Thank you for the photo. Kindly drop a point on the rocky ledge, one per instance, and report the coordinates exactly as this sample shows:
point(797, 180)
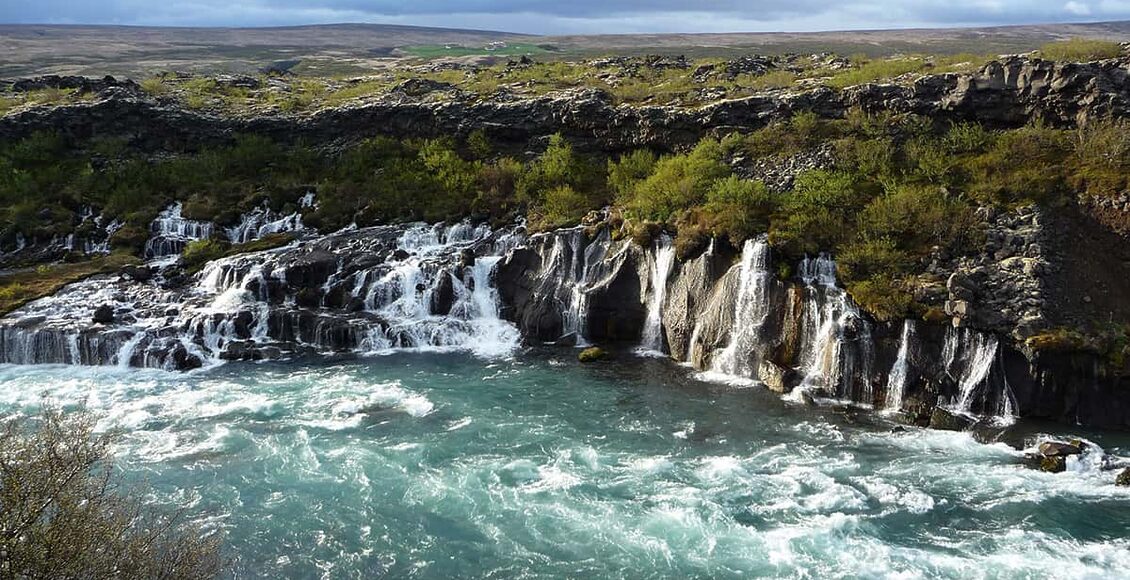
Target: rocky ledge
point(1005, 93)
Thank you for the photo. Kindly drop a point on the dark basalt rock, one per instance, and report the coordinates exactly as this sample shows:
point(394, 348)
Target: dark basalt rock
point(443, 295)
point(946, 420)
point(137, 273)
point(104, 314)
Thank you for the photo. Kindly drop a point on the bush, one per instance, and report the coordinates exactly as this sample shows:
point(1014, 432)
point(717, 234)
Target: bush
point(1021, 166)
point(67, 515)
point(678, 182)
point(1100, 162)
point(738, 208)
point(200, 252)
point(558, 165)
point(1080, 49)
point(882, 297)
point(819, 214)
point(627, 172)
point(916, 218)
point(563, 206)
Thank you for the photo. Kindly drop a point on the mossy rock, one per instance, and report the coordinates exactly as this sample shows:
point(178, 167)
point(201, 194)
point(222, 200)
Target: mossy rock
point(1123, 478)
point(593, 354)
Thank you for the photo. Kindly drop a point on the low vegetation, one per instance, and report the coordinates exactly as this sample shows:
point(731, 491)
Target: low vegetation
point(22, 286)
point(1080, 49)
point(68, 514)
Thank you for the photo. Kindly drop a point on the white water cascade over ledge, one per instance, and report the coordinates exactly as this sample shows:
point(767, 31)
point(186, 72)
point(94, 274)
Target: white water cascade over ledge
point(359, 290)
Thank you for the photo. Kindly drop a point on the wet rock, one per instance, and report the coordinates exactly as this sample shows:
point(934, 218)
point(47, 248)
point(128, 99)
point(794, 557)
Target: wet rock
point(467, 258)
point(775, 377)
point(137, 273)
point(104, 314)
point(945, 420)
point(1060, 448)
point(443, 295)
point(1055, 464)
point(1123, 478)
point(592, 354)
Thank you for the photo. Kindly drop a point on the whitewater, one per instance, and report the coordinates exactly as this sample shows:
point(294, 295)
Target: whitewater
point(448, 465)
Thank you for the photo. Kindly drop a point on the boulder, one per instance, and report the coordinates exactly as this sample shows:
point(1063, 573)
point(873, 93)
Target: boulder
point(1123, 478)
point(443, 295)
point(136, 273)
point(592, 354)
point(104, 314)
point(776, 377)
point(1054, 464)
point(1060, 448)
point(945, 420)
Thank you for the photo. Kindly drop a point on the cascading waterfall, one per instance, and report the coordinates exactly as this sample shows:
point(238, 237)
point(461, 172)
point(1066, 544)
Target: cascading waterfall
point(900, 371)
point(172, 232)
point(434, 289)
point(751, 307)
point(662, 258)
point(974, 360)
point(263, 221)
point(837, 340)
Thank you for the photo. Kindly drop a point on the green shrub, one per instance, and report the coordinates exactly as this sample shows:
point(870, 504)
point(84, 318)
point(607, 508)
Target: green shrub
point(916, 218)
point(882, 297)
point(738, 208)
point(628, 171)
point(819, 213)
point(1100, 162)
point(864, 259)
point(1022, 165)
point(877, 70)
point(678, 182)
point(563, 206)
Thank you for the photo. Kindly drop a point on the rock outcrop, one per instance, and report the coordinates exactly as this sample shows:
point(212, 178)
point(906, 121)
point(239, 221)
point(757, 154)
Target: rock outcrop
point(1004, 93)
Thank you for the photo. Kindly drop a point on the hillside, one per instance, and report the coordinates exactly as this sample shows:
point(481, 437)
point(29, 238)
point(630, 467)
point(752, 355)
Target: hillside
point(359, 48)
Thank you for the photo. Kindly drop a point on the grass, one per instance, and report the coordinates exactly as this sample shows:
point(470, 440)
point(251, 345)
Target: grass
point(1079, 49)
point(19, 288)
point(200, 252)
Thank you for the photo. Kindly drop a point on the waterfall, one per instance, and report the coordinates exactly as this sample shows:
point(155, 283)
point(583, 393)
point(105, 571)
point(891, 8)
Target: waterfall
point(974, 360)
point(172, 232)
point(425, 286)
point(663, 257)
point(836, 340)
point(751, 307)
point(897, 379)
point(263, 221)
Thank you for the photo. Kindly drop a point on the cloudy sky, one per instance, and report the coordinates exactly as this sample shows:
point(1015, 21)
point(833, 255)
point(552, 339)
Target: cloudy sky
point(571, 16)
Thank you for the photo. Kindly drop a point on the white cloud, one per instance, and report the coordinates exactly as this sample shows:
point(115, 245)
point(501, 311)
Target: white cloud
point(1077, 8)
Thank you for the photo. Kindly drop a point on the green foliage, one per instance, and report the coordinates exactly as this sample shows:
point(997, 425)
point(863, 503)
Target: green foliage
point(738, 208)
point(626, 173)
point(1100, 162)
point(1021, 165)
point(800, 133)
point(1080, 49)
point(917, 217)
point(199, 252)
point(677, 182)
point(820, 212)
point(881, 296)
point(564, 205)
point(875, 70)
point(479, 144)
point(559, 165)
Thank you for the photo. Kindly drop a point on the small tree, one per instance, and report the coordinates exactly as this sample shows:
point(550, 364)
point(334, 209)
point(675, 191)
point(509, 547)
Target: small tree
point(64, 514)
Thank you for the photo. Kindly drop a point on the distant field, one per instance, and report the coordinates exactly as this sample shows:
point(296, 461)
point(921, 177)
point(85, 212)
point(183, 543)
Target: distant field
point(357, 49)
point(430, 51)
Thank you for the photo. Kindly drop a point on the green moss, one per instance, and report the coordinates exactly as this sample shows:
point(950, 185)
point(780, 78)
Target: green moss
point(592, 354)
point(19, 288)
